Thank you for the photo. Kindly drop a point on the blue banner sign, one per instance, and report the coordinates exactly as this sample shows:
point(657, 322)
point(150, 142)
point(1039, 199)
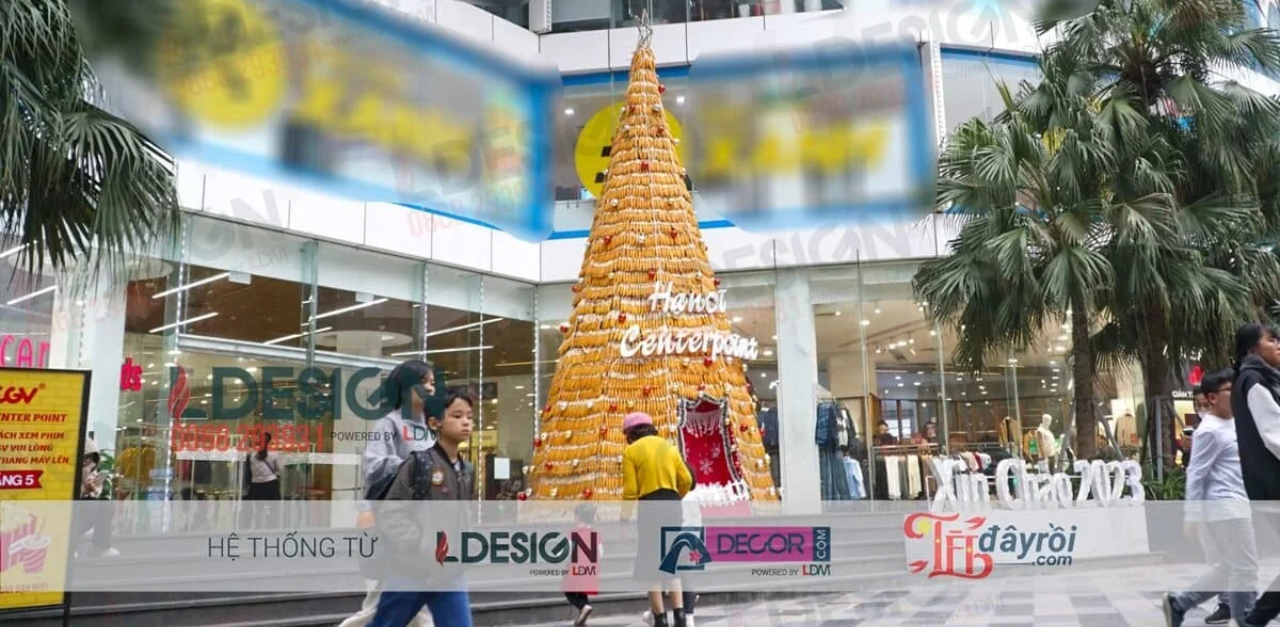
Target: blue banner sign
point(345, 99)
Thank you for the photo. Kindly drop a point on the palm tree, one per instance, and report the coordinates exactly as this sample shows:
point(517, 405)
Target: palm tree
point(78, 186)
point(1184, 278)
point(1033, 211)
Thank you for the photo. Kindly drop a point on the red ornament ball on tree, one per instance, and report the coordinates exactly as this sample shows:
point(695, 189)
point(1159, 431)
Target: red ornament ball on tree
point(674, 232)
point(547, 465)
point(622, 317)
point(707, 361)
point(607, 239)
point(613, 407)
point(653, 274)
point(717, 282)
point(644, 166)
point(537, 442)
point(586, 494)
point(564, 327)
point(662, 89)
point(646, 390)
point(522, 496)
point(743, 427)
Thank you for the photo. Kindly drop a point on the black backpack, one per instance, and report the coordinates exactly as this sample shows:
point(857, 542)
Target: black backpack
point(378, 490)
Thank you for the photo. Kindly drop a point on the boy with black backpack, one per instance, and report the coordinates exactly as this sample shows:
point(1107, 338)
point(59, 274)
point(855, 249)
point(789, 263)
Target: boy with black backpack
point(419, 576)
point(407, 394)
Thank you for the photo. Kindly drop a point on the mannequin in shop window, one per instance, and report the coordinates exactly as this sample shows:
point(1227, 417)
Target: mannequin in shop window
point(1048, 445)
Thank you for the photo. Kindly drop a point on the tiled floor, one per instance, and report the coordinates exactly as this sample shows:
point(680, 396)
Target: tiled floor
point(1093, 601)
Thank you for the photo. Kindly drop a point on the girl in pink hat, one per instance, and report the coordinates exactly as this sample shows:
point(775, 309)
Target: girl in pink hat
point(654, 472)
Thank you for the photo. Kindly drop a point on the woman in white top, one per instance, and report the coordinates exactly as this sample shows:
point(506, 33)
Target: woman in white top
point(264, 480)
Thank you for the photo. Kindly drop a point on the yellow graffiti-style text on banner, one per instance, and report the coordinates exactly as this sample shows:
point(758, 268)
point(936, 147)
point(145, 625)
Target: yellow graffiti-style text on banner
point(589, 156)
point(224, 63)
point(831, 149)
point(235, 78)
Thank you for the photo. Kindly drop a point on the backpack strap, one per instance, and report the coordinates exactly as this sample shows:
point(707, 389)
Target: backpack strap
point(423, 466)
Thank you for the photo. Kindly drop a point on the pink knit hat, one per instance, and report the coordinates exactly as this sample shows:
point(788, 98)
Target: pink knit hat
point(634, 420)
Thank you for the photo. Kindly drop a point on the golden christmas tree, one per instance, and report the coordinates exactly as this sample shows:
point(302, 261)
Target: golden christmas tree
point(649, 330)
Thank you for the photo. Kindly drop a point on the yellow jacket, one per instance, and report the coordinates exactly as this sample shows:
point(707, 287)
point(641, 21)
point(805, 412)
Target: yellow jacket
point(651, 464)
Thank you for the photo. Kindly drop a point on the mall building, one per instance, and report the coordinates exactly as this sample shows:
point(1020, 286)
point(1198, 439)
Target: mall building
point(259, 257)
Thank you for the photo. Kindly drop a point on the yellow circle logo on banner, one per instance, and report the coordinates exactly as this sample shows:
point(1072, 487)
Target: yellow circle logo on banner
point(591, 154)
point(225, 63)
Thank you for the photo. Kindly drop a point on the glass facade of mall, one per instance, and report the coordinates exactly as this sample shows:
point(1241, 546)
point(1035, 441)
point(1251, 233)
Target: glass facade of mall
point(242, 328)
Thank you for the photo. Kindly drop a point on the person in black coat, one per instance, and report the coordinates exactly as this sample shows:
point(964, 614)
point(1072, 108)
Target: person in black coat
point(1255, 400)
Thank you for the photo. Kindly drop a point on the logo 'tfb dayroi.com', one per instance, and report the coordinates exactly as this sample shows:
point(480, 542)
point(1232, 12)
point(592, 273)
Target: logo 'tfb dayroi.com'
point(684, 549)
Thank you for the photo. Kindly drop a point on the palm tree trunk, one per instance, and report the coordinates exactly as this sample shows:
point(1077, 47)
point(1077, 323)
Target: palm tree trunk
point(1157, 379)
point(1082, 373)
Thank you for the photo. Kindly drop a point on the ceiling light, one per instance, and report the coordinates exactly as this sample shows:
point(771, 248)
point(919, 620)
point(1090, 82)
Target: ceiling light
point(917, 383)
point(877, 311)
point(298, 335)
point(866, 323)
point(911, 341)
point(919, 372)
point(462, 327)
point(838, 312)
point(15, 250)
point(349, 309)
point(886, 391)
point(768, 353)
point(737, 318)
point(252, 369)
point(898, 377)
point(39, 292)
point(443, 350)
point(519, 387)
point(545, 327)
point(183, 288)
point(568, 111)
point(933, 332)
point(1012, 360)
point(679, 99)
point(183, 323)
point(900, 385)
point(775, 338)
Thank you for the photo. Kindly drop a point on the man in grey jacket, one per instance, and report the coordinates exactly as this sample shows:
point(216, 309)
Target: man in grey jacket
point(408, 393)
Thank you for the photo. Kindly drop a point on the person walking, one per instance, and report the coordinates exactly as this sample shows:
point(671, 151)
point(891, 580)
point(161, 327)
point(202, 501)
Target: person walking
point(579, 585)
point(405, 393)
point(264, 484)
point(436, 474)
point(655, 474)
point(1256, 402)
point(1218, 511)
point(97, 515)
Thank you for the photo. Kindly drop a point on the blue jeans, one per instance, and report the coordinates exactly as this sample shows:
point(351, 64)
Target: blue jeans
point(448, 608)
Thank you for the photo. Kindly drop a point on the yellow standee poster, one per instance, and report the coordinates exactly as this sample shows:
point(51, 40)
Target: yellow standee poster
point(42, 431)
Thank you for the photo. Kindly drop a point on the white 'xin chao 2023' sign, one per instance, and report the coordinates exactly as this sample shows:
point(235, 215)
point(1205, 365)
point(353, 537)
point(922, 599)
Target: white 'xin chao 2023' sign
point(693, 342)
point(1101, 484)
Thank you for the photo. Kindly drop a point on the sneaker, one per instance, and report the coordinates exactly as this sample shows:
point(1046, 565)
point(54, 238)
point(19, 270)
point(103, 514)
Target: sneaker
point(647, 617)
point(1173, 616)
point(688, 620)
point(1220, 616)
point(583, 615)
point(101, 553)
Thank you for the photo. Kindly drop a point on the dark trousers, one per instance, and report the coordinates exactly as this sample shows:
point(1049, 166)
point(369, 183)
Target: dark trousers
point(262, 506)
point(96, 516)
point(577, 599)
point(448, 608)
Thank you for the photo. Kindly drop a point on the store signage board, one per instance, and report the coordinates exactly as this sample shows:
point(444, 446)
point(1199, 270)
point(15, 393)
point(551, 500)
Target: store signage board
point(42, 431)
point(20, 352)
point(833, 133)
point(697, 342)
point(344, 98)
